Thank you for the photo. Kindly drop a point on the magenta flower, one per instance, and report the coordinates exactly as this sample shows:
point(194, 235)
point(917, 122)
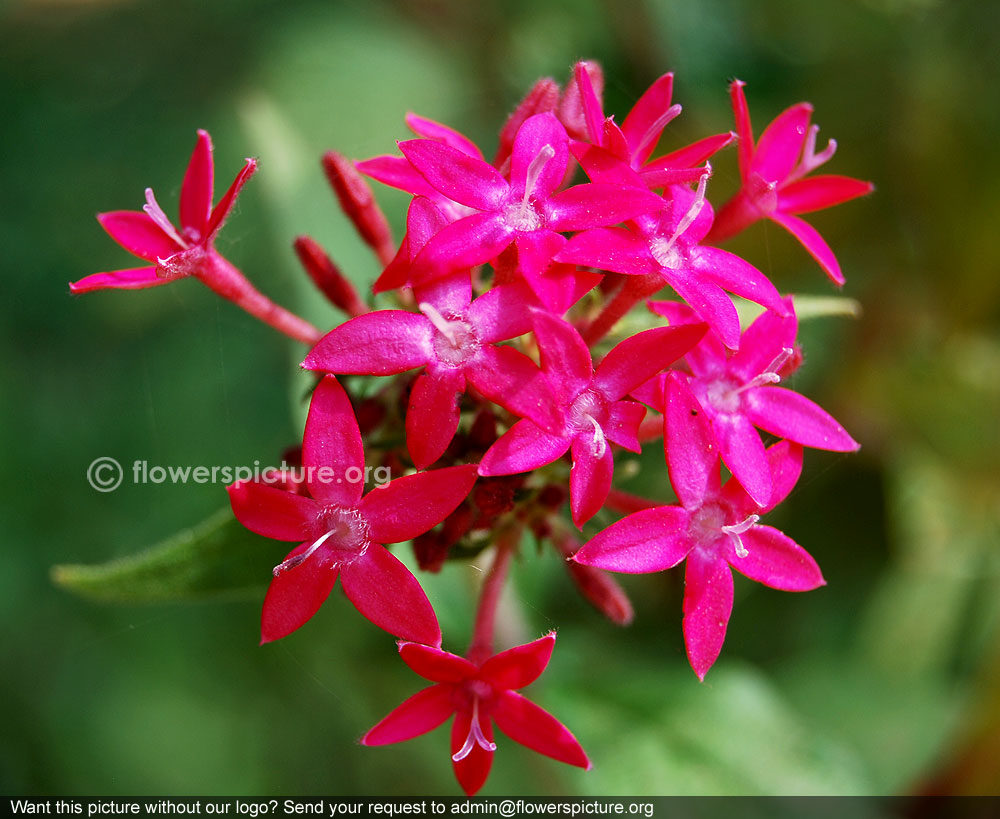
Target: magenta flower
point(774, 183)
point(667, 250)
point(526, 211)
point(738, 393)
point(478, 696)
point(581, 410)
point(715, 527)
point(151, 236)
point(453, 337)
point(343, 531)
point(633, 142)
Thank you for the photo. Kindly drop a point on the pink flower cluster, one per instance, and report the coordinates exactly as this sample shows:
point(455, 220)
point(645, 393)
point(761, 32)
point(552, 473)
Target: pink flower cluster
point(503, 387)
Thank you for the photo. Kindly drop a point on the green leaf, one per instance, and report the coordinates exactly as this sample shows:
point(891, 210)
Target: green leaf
point(217, 559)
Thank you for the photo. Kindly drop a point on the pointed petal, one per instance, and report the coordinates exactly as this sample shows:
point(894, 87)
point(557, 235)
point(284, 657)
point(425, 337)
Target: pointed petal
point(708, 357)
point(813, 242)
point(590, 477)
point(623, 424)
point(789, 415)
point(537, 132)
point(780, 146)
point(221, 212)
point(694, 154)
point(818, 192)
point(196, 190)
point(332, 445)
point(436, 665)
point(473, 770)
point(692, 453)
point(432, 417)
point(743, 452)
point(641, 127)
point(560, 286)
point(535, 252)
point(763, 341)
point(594, 205)
point(135, 231)
point(383, 342)
point(638, 358)
point(463, 244)
point(650, 540)
point(423, 712)
point(502, 312)
point(564, 355)
point(294, 596)
point(523, 448)
point(709, 301)
point(272, 512)
point(396, 172)
point(785, 463)
point(135, 278)
point(429, 129)
point(384, 591)
point(462, 178)
point(449, 294)
point(409, 506)
point(744, 131)
point(737, 276)
point(535, 728)
point(511, 379)
point(614, 249)
point(708, 602)
point(776, 560)
point(519, 666)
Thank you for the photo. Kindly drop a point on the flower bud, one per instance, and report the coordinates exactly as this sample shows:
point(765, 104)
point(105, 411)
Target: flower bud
point(328, 278)
point(358, 202)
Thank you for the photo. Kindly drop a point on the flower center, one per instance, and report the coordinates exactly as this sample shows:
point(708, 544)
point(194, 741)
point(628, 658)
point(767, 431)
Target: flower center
point(454, 342)
point(723, 394)
point(524, 215)
point(708, 523)
point(588, 414)
point(341, 536)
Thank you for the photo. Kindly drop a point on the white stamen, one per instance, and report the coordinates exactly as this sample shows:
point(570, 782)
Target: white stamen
point(534, 170)
point(292, 562)
point(445, 327)
point(735, 530)
point(475, 737)
point(663, 251)
point(600, 444)
point(654, 130)
point(770, 375)
point(810, 159)
point(155, 212)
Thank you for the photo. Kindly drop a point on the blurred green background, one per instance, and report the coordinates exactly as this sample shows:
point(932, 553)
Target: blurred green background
point(885, 681)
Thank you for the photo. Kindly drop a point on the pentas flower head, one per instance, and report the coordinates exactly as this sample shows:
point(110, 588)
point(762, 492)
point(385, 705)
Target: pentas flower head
point(581, 409)
point(715, 528)
point(479, 695)
point(343, 532)
point(738, 392)
point(633, 142)
point(525, 211)
point(150, 235)
point(775, 184)
point(666, 249)
point(453, 337)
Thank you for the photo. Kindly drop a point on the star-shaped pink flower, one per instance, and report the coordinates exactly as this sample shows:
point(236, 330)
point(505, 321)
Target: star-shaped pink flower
point(478, 695)
point(585, 409)
point(737, 393)
point(774, 183)
point(714, 528)
point(151, 236)
point(343, 532)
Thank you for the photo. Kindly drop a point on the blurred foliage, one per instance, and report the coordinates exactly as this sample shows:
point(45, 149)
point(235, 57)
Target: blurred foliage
point(886, 681)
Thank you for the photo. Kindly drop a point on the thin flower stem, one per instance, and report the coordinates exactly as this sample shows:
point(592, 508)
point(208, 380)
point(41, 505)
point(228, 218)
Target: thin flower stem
point(481, 646)
point(634, 290)
point(225, 279)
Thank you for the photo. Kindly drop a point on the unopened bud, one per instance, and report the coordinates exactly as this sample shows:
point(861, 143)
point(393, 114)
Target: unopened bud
point(571, 112)
point(328, 278)
point(598, 587)
point(358, 202)
point(543, 97)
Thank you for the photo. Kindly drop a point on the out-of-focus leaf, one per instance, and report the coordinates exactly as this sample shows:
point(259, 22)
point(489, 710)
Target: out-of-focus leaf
point(216, 559)
point(806, 307)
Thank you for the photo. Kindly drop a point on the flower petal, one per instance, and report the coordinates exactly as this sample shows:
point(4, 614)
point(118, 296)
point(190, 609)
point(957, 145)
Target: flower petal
point(462, 178)
point(780, 146)
point(641, 126)
point(535, 728)
point(639, 357)
point(432, 417)
point(565, 356)
point(383, 342)
point(422, 712)
point(708, 357)
point(461, 245)
point(818, 192)
point(135, 278)
point(511, 379)
point(692, 453)
point(272, 512)
point(295, 595)
point(650, 540)
point(691, 155)
point(776, 560)
point(221, 211)
point(519, 666)
point(196, 190)
point(623, 424)
point(429, 129)
point(533, 136)
point(709, 301)
point(744, 130)
point(708, 602)
point(743, 452)
point(785, 463)
point(763, 342)
point(135, 231)
point(789, 415)
point(590, 477)
point(409, 506)
point(396, 172)
point(502, 312)
point(386, 594)
point(813, 242)
point(594, 205)
point(435, 664)
point(522, 448)
point(331, 446)
point(614, 249)
point(471, 771)
point(737, 276)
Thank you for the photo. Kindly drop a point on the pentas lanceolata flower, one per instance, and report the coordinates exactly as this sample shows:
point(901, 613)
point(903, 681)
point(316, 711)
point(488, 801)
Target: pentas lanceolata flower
point(499, 384)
